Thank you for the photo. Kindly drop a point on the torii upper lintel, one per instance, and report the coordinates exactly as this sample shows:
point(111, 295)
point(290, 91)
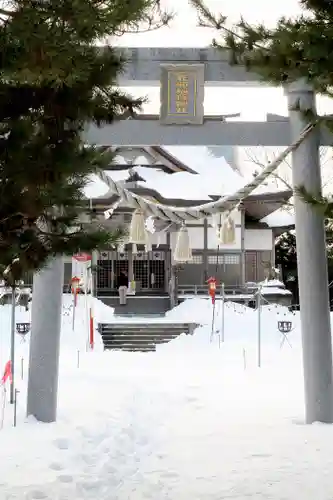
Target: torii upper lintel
point(144, 66)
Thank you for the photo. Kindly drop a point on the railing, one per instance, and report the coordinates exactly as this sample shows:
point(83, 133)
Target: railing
point(228, 290)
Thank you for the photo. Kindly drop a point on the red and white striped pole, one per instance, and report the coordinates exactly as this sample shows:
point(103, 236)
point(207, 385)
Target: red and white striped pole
point(75, 291)
point(91, 328)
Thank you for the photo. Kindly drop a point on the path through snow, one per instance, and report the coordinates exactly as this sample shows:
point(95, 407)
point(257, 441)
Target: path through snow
point(173, 435)
point(190, 421)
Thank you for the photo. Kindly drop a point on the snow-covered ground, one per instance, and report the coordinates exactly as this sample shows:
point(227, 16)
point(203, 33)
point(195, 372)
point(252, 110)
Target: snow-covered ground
point(192, 421)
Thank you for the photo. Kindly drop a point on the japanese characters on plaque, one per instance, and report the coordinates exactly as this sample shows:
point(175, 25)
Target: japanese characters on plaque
point(182, 94)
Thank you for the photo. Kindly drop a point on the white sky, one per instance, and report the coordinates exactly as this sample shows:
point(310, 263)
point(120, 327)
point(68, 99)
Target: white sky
point(183, 31)
point(253, 104)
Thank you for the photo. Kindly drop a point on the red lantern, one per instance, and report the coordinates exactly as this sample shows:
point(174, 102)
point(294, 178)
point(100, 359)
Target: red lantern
point(212, 288)
point(75, 287)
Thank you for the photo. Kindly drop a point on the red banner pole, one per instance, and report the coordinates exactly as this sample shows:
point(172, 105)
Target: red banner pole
point(91, 331)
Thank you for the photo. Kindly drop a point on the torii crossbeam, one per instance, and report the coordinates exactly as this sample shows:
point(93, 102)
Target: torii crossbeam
point(144, 65)
point(149, 131)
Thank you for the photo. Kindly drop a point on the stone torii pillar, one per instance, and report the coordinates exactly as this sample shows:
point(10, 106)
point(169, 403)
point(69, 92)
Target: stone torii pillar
point(311, 262)
point(46, 316)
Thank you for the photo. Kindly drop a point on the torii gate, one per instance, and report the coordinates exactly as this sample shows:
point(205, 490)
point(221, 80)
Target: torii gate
point(182, 75)
point(163, 67)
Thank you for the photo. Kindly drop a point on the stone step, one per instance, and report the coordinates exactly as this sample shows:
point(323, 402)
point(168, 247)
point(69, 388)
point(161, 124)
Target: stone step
point(131, 348)
point(135, 325)
point(130, 345)
point(140, 336)
point(142, 333)
point(130, 341)
point(137, 349)
point(153, 337)
point(148, 331)
point(148, 335)
point(156, 339)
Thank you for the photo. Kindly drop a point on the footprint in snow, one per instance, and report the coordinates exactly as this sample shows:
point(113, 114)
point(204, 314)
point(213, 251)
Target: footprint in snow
point(38, 495)
point(56, 466)
point(62, 443)
point(65, 478)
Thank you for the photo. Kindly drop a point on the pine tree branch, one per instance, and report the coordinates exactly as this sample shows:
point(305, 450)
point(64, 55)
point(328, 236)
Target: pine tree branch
point(152, 24)
point(6, 13)
point(209, 20)
point(53, 82)
point(296, 48)
point(149, 29)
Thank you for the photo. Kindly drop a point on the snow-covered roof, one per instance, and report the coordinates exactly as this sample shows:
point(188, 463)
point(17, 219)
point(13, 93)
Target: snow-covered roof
point(216, 179)
point(206, 164)
point(214, 176)
point(279, 218)
point(208, 175)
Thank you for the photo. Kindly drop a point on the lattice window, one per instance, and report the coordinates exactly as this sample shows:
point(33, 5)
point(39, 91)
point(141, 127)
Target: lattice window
point(148, 269)
point(105, 273)
point(196, 259)
point(228, 259)
point(212, 259)
point(231, 259)
point(149, 274)
point(215, 259)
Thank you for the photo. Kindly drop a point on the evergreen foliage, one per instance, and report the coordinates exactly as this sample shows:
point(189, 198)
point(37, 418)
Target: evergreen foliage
point(285, 249)
point(286, 260)
point(54, 80)
point(297, 48)
point(300, 47)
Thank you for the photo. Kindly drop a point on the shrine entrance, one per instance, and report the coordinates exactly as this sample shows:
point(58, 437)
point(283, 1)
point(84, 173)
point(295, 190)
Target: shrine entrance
point(149, 270)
